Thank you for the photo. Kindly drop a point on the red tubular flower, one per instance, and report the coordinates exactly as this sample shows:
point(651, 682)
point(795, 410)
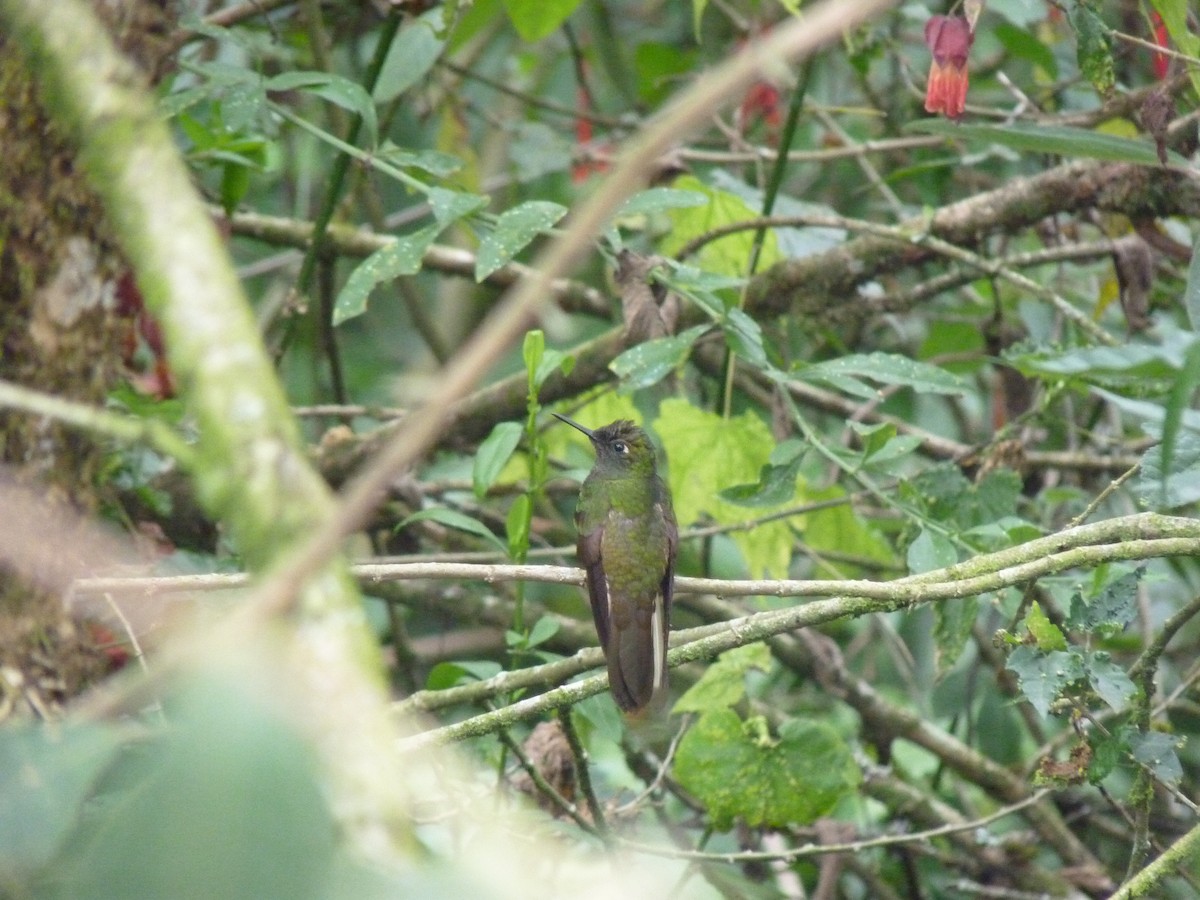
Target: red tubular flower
point(949, 39)
point(1161, 62)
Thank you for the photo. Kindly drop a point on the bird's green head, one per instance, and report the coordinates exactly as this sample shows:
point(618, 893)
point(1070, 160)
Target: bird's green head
point(621, 448)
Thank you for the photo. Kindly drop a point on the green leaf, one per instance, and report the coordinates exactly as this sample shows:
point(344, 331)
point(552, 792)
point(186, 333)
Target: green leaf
point(513, 232)
point(493, 454)
point(745, 337)
point(1163, 490)
point(452, 518)
point(552, 361)
point(1060, 140)
point(1178, 402)
point(1114, 607)
point(450, 206)
point(517, 526)
point(648, 363)
point(229, 801)
point(776, 480)
point(337, 89)
point(708, 452)
point(929, 551)
point(543, 629)
point(728, 255)
point(1175, 17)
point(884, 368)
point(1046, 634)
point(1109, 680)
point(412, 54)
point(46, 775)
point(1157, 751)
point(658, 199)
point(1191, 293)
point(451, 674)
point(723, 683)
point(953, 621)
point(434, 162)
point(1093, 47)
point(403, 256)
point(1023, 43)
point(1043, 676)
point(532, 348)
point(536, 19)
point(736, 772)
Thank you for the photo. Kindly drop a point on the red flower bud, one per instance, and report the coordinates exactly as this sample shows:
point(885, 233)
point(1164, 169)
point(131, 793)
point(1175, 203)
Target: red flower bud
point(949, 39)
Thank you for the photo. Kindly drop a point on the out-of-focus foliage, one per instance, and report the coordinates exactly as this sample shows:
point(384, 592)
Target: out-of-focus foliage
point(858, 387)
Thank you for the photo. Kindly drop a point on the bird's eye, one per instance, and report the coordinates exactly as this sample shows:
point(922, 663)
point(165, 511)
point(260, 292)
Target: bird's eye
point(621, 447)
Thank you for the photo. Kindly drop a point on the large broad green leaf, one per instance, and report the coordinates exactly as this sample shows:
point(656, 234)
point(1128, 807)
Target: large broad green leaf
point(1108, 680)
point(728, 255)
point(403, 256)
point(227, 802)
point(512, 233)
point(46, 774)
point(723, 683)
point(739, 771)
point(1056, 139)
point(1111, 609)
point(1043, 676)
point(536, 19)
point(708, 453)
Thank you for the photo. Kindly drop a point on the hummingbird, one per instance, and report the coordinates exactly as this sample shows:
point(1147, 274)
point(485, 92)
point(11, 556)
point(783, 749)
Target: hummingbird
point(626, 545)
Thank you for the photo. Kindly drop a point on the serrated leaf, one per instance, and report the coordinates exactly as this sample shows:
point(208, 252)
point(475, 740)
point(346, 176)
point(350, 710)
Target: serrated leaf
point(403, 256)
point(1157, 751)
point(1044, 676)
point(707, 453)
point(648, 363)
point(793, 780)
point(1112, 609)
point(1047, 635)
point(452, 518)
point(1058, 140)
point(450, 206)
point(337, 89)
point(1109, 680)
point(513, 232)
point(493, 454)
point(723, 683)
point(888, 369)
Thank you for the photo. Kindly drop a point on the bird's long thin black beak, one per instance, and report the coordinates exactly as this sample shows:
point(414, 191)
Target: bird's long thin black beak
point(591, 435)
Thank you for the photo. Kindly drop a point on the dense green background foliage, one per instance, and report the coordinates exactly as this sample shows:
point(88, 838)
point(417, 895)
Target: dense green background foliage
point(923, 395)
